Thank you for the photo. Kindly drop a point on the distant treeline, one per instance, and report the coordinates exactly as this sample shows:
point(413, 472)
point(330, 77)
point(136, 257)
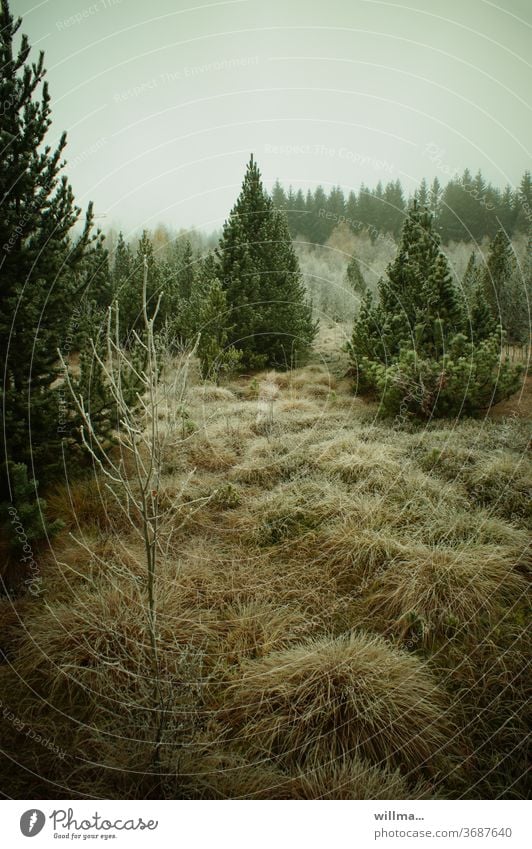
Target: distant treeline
point(466, 209)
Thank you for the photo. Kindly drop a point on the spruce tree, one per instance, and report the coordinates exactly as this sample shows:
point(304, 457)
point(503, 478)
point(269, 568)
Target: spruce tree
point(422, 194)
point(186, 270)
point(472, 276)
point(278, 196)
point(269, 314)
point(41, 265)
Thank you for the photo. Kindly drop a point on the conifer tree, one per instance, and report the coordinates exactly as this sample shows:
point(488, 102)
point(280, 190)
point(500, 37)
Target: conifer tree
point(129, 294)
point(410, 347)
point(523, 222)
point(422, 194)
point(417, 295)
point(278, 196)
point(122, 264)
point(482, 323)
point(355, 278)
point(472, 276)
point(500, 289)
point(270, 317)
point(216, 356)
point(41, 265)
point(186, 271)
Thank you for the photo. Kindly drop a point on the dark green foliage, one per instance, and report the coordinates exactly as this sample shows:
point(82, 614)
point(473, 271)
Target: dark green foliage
point(27, 509)
point(505, 289)
point(215, 355)
point(472, 277)
point(482, 324)
point(523, 204)
point(467, 379)
point(129, 293)
point(467, 208)
point(421, 307)
point(270, 318)
point(184, 281)
point(410, 347)
point(122, 267)
point(44, 272)
point(355, 278)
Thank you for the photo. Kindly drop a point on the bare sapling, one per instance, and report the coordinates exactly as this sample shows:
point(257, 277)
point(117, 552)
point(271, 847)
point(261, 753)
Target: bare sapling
point(145, 429)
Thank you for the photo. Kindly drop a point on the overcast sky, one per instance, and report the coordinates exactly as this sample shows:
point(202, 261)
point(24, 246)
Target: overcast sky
point(163, 101)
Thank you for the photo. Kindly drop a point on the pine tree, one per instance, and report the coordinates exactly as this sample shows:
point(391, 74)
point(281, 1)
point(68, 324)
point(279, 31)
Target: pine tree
point(130, 292)
point(472, 276)
point(259, 272)
point(95, 277)
point(435, 195)
point(417, 294)
point(122, 264)
point(483, 325)
point(499, 270)
point(216, 356)
point(422, 194)
point(186, 270)
point(354, 276)
point(41, 265)
point(278, 196)
point(479, 317)
point(410, 347)
point(351, 209)
point(523, 221)
point(393, 206)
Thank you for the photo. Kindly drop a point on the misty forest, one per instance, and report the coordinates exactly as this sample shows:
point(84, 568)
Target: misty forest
point(265, 492)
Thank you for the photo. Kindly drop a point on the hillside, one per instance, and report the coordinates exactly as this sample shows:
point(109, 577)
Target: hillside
point(341, 610)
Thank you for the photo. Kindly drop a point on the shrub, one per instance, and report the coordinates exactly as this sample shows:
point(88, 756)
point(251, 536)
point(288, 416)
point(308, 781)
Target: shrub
point(410, 349)
point(466, 380)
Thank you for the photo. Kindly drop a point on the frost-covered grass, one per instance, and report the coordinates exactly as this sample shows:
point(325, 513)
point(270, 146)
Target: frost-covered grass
point(341, 613)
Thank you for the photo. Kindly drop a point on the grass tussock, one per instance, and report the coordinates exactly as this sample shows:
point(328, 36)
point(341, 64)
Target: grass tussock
point(336, 698)
point(341, 612)
point(430, 595)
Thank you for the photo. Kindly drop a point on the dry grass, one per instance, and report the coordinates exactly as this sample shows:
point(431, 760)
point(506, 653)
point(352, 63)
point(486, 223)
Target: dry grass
point(355, 779)
point(428, 595)
point(335, 698)
point(341, 612)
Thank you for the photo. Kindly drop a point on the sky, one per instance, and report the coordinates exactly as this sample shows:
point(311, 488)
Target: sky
point(164, 101)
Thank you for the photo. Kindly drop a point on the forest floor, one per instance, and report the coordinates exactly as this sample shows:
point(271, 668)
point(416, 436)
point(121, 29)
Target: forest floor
point(341, 610)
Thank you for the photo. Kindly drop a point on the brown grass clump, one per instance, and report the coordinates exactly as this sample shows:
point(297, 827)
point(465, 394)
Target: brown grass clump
point(297, 506)
point(429, 594)
point(211, 455)
point(219, 776)
point(207, 393)
point(255, 629)
point(504, 485)
point(341, 612)
point(86, 503)
point(333, 699)
point(351, 778)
